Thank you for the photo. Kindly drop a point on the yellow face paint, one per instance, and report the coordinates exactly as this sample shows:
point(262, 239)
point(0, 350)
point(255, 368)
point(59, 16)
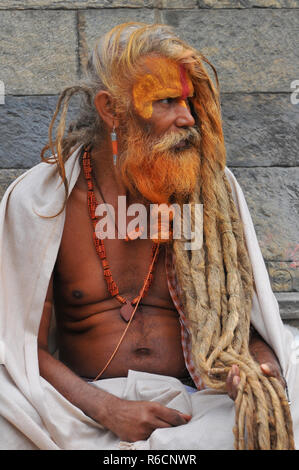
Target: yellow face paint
point(183, 103)
point(165, 79)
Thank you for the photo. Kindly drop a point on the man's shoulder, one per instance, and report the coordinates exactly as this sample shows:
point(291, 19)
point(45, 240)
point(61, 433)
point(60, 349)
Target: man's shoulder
point(228, 173)
point(232, 180)
point(40, 190)
point(29, 182)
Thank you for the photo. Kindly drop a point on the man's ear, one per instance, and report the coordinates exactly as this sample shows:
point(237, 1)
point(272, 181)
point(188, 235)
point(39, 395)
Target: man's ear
point(104, 106)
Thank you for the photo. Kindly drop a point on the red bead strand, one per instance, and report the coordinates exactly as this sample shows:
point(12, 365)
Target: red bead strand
point(128, 307)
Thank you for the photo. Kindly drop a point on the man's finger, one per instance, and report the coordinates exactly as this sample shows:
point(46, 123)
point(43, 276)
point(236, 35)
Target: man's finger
point(236, 381)
point(229, 382)
point(232, 381)
point(270, 371)
point(171, 416)
point(158, 423)
point(266, 368)
point(186, 417)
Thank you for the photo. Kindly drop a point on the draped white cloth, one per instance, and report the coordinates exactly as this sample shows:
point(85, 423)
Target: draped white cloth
point(33, 415)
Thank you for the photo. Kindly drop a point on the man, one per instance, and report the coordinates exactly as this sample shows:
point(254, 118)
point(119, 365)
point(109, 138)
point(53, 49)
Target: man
point(148, 92)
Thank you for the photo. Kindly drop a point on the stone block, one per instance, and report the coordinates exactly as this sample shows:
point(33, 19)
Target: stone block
point(252, 50)
point(85, 4)
point(272, 195)
point(247, 3)
point(38, 51)
point(24, 123)
point(76, 4)
point(260, 129)
point(93, 24)
point(289, 306)
point(284, 276)
point(186, 4)
point(294, 324)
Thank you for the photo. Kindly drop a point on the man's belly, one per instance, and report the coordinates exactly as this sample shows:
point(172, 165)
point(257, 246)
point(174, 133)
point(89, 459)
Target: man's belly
point(152, 343)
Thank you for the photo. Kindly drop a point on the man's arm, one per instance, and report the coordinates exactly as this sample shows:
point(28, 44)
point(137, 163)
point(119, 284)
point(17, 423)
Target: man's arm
point(264, 355)
point(129, 420)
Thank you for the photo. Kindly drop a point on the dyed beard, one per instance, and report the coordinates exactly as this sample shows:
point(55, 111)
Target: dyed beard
point(153, 168)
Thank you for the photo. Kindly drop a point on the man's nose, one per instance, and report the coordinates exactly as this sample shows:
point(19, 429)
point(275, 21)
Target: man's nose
point(184, 117)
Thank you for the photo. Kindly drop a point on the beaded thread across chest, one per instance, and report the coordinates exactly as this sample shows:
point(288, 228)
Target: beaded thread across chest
point(128, 307)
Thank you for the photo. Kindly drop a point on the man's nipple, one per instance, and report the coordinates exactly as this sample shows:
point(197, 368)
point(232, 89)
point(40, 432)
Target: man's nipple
point(77, 294)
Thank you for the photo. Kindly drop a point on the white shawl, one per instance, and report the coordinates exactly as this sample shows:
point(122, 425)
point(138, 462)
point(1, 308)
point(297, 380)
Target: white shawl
point(32, 413)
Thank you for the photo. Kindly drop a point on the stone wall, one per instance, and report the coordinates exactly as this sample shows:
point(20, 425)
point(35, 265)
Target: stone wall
point(254, 47)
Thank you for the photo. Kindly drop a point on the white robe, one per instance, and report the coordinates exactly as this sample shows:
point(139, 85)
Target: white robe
point(33, 415)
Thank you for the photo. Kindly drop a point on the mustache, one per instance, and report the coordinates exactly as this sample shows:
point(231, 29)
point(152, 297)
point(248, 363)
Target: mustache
point(168, 141)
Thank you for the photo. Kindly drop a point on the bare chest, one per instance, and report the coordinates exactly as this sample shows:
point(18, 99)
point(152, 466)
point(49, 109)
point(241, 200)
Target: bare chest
point(79, 276)
point(89, 321)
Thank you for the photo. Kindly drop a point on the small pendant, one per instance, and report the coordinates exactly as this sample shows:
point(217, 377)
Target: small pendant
point(126, 311)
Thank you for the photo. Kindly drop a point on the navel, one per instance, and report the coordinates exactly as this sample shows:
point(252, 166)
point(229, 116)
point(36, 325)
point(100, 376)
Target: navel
point(142, 352)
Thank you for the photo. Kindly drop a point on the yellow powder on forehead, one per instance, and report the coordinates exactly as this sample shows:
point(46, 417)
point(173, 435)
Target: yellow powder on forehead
point(164, 78)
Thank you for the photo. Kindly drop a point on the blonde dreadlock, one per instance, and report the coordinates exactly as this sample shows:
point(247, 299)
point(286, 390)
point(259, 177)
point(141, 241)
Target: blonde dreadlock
point(216, 281)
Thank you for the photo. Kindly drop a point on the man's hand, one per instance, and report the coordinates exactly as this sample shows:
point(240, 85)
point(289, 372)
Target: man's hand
point(264, 355)
point(232, 382)
point(136, 420)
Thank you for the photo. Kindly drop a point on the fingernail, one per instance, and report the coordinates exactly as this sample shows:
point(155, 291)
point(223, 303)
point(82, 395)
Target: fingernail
point(236, 381)
point(266, 368)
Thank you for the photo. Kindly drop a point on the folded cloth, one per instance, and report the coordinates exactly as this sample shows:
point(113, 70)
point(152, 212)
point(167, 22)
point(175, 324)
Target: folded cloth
point(76, 431)
point(206, 407)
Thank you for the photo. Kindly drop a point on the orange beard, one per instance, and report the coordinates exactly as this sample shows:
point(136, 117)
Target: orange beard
point(152, 168)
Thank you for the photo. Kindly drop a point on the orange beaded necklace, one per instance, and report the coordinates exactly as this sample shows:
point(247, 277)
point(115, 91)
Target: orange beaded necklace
point(128, 308)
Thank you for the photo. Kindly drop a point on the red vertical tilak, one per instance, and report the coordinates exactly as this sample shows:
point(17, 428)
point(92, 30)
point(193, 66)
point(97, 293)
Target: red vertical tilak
point(185, 86)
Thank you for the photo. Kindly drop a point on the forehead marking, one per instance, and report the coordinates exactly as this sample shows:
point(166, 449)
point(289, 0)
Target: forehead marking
point(184, 83)
point(166, 79)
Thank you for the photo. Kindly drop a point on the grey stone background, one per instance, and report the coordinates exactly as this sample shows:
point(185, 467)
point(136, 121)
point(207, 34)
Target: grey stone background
point(254, 46)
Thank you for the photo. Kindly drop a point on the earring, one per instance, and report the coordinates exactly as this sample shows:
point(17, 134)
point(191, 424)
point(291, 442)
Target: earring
point(114, 145)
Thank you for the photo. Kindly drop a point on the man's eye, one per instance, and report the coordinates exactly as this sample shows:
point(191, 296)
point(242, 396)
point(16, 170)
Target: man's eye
point(166, 101)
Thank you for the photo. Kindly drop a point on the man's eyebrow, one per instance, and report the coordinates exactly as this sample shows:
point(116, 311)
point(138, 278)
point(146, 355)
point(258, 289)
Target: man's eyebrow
point(168, 94)
point(168, 97)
